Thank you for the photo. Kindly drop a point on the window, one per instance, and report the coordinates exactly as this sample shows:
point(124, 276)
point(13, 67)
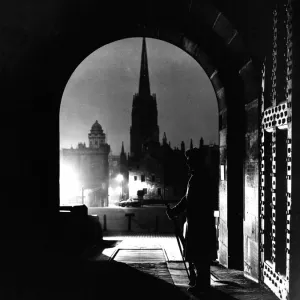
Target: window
point(143, 178)
point(153, 178)
point(135, 178)
point(159, 191)
point(145, 191)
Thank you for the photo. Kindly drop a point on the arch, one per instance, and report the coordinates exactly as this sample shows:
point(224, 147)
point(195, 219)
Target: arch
point(217, 76)
point(53, 50)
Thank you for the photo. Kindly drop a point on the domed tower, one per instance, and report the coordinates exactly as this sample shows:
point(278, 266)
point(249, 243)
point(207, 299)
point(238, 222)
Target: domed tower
point(96, 136)
point(97, 168)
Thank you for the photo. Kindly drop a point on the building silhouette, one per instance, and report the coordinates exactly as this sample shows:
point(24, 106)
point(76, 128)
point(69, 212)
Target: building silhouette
point(154, 169)
point(90, 164)
point(118, 189)
point(144, 128)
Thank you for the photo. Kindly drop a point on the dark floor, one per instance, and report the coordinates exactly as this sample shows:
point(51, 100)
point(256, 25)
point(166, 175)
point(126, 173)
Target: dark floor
point(35, 272)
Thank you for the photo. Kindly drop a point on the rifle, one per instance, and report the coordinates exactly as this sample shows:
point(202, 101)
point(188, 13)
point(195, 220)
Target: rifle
point(179, 238)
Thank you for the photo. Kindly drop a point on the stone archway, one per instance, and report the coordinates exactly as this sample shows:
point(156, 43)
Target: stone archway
point(217, 47)
point(42, 43)
point(49, 47)
point(231, 132)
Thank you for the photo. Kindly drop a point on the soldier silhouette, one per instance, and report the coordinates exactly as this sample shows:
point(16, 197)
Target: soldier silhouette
point(200, 220)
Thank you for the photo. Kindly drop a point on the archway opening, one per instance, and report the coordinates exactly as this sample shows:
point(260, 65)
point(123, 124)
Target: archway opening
point(99, 118)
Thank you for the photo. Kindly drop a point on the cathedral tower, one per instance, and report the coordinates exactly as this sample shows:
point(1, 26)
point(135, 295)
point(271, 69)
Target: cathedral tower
point(144, 127)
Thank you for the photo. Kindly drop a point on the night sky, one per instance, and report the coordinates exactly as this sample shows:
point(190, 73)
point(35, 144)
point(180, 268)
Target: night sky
point(102, 88)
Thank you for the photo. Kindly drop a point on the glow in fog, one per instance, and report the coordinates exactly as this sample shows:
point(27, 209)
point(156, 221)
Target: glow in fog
point(135, 186)
point(70, 187)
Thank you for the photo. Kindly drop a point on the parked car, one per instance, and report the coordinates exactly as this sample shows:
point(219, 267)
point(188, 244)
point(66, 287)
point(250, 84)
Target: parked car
point(130, 202)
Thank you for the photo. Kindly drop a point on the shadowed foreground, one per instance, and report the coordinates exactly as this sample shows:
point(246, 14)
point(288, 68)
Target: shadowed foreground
point(35, 275)
point(75, 279)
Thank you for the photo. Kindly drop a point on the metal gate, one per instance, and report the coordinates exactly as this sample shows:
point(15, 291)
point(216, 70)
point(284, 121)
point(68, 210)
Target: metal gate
point(275, 147)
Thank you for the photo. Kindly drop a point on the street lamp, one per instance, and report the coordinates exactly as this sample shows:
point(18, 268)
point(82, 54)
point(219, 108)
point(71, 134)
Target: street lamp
point(120, 178)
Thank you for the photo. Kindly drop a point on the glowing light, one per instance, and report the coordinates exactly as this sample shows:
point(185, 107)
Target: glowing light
point(110, 190)
point(114, 194)
point(118, 190)
point(86, 192)
point(69, 184)
point(135, 186)
point(120, 178)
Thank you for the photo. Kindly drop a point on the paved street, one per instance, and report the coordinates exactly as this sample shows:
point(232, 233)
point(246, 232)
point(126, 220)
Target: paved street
point(150, 252)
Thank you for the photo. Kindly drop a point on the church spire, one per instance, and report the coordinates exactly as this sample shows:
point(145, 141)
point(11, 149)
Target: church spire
point(122, 149)
point(144, 87)
point(191, 144)
point(182, 146)
point(164, 139)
